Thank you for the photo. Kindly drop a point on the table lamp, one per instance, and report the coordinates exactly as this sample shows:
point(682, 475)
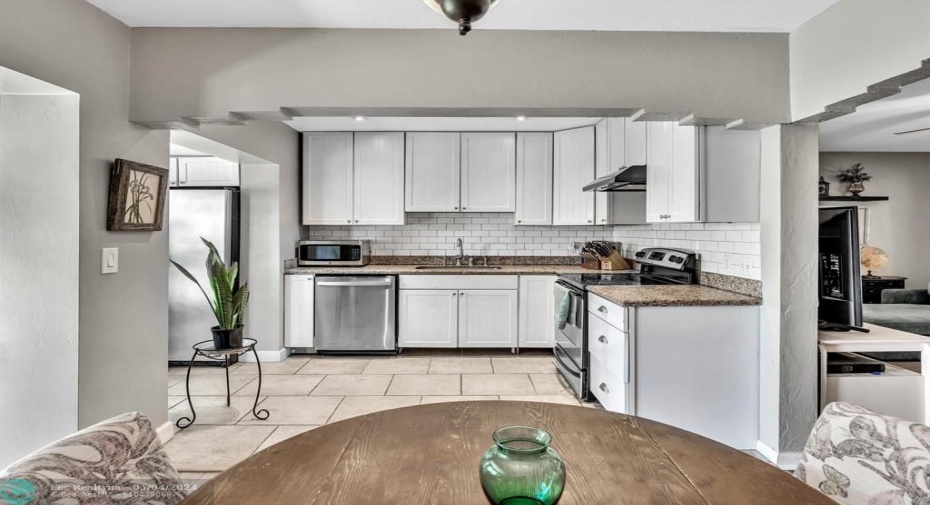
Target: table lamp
point(872, 258)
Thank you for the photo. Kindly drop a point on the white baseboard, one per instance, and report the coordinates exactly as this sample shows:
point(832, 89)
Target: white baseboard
point(266, 356)
point(165, 432)
point(784, 460)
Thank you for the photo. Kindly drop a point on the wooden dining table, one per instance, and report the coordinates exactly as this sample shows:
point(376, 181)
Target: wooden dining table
point(428, 454)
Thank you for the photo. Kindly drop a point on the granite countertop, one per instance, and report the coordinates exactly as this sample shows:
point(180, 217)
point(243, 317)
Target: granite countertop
point(671, 296)
point(412, 270)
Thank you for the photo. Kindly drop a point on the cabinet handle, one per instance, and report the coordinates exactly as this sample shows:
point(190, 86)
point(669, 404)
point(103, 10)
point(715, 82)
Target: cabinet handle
point(603, 220)
point(589, 221)
point(349, 221)
point(463, 208)
point(455, 294)
point(356, 220)
point(602, 309)
point(519, 221)
point(603, 387)
point(602, 339)
point(456, 208)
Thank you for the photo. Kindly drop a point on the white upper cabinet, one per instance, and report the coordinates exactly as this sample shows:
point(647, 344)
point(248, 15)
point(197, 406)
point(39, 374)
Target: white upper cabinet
point(534, 179)
point(602, 167)
point(686, 172)
point(328, 182)
point(488, 172)
point(634, 142)
point(619, 142)
point(673, 173)
point(573, 169)
point(206, 171)
point(379, 179)
point(433, 172)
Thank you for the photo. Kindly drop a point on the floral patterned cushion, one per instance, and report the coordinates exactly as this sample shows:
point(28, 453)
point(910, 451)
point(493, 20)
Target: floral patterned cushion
point(859, 457)
point(119, 461)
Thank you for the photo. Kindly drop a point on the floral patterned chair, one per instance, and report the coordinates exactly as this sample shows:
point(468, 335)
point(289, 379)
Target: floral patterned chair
point(859, 457)
point(119, 461)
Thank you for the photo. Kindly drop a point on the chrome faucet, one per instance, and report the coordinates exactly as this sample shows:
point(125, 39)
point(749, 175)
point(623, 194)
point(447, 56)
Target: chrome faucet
point(461, 245)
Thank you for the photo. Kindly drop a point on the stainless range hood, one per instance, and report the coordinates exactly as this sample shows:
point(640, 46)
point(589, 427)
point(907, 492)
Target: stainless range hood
point(632, 178)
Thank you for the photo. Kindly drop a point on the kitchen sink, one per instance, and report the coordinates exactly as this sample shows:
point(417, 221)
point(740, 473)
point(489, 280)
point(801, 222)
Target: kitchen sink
point(453, 267)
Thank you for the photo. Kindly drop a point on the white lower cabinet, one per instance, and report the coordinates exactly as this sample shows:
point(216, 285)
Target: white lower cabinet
point(427, 318)
point(488, 318)
point(537, 314)
point(298, 311)
point(457, 311)
point(695, 368)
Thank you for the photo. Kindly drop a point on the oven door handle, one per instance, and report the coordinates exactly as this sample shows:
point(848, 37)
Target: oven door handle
point(562, 363)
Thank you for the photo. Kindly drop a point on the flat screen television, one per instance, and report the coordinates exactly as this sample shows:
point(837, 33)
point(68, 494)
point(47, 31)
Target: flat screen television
point(840, 282)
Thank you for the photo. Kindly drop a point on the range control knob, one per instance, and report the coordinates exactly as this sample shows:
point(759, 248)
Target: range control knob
point(673, 259)
point(640, 254)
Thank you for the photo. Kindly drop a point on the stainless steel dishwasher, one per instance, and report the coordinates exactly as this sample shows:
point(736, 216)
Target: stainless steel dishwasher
point(355, 314)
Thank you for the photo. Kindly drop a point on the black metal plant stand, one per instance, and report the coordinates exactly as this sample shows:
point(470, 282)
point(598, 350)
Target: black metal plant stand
point(207, 350)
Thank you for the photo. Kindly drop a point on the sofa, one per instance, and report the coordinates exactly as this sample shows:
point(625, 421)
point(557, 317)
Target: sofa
point(901, 309)
point(117, 462)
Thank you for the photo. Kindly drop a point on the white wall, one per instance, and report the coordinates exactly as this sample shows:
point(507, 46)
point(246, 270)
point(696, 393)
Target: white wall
point(788, 324)
point(38, 265)
point(898, 226)
point(123, 317)
point(210, 72)
point(262, 266)
point(853, 45)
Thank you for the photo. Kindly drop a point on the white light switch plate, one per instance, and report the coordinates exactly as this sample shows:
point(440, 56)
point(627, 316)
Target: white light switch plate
point(109, 260)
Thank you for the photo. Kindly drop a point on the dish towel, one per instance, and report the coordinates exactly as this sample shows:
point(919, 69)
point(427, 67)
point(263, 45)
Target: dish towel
point(563, 308)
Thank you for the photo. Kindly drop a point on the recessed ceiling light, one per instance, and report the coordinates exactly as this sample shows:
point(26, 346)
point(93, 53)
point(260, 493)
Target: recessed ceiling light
point(521, 118)
point(359, 118)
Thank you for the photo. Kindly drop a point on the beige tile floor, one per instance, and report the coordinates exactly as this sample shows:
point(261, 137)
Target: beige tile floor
point(305, 392)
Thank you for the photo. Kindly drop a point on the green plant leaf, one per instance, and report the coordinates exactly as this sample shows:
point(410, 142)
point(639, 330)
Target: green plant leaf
point(241, 303)
point(223, 291)
point(194, 280)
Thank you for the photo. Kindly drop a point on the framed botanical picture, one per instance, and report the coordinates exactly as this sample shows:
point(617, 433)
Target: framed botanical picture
point(137, 197)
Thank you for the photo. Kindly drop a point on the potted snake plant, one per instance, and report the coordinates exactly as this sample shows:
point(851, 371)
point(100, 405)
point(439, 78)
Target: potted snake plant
point(229, 300)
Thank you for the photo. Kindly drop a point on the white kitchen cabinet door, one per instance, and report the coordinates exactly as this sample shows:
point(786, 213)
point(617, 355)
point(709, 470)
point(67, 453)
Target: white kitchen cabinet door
point(634, 142)
point(537, 311)
point(427, 318)
point(489, 172)
point(298, 311)
point(660, 152)
point(488, 318)
point(433, 175)
point(379, 178)
point(327, 184)
point(534, 179)
point(685, 182)
point(206, 171)
point(573, 169)
point(602, 167)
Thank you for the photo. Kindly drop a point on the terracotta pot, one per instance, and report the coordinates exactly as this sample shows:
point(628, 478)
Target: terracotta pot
point(227, 339)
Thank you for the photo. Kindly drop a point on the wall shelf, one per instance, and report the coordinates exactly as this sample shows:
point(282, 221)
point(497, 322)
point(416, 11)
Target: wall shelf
point(853, 198)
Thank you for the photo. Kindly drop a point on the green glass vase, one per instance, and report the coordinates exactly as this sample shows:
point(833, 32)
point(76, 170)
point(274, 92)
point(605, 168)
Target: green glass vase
point(521, 468)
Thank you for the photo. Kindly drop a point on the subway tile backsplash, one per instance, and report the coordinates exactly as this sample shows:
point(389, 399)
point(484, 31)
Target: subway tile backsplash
point(725, 248)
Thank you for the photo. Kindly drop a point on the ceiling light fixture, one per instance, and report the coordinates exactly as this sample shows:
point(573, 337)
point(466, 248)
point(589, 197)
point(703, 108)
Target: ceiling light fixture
point(359, 118)
point(462, 11)
point(521, 118)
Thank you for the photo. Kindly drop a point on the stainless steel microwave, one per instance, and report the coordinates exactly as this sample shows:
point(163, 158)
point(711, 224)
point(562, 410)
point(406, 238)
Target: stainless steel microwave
point(344, 253)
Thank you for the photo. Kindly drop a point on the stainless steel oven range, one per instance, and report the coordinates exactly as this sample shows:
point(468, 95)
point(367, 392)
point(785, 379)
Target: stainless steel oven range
point(657, 266)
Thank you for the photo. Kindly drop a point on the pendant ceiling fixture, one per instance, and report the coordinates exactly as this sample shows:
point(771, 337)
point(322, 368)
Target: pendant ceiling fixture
point(462, 11)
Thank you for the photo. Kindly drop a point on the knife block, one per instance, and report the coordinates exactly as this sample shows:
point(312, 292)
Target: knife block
point(615, 262)
point(590, 262)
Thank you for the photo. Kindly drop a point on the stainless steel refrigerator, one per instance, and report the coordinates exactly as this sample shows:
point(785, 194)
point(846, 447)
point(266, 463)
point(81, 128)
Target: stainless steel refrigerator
point(193, 213)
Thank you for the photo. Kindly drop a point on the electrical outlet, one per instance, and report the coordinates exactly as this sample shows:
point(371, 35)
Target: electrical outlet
point(109, 260)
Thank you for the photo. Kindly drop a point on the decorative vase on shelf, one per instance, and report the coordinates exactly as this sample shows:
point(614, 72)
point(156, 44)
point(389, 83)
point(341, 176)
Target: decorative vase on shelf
point(856, 187)
point(521, 468)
